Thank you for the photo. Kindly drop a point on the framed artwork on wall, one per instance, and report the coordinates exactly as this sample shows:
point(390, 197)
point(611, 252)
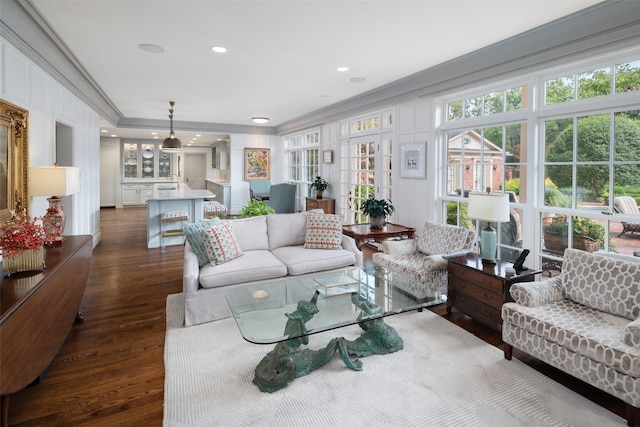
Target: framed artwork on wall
point(327, 156)
point(14, 157)
point(412, 160)
point(257, 164)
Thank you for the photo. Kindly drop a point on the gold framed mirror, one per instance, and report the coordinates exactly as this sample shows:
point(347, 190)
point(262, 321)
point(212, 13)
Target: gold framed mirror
point(14, 159)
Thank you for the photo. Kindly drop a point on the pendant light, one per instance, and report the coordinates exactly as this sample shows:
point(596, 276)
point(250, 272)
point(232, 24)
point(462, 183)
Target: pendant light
point(171, 144)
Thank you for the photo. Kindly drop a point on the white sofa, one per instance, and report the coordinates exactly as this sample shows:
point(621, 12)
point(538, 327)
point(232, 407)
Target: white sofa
point(585, 322)
point(273, 247)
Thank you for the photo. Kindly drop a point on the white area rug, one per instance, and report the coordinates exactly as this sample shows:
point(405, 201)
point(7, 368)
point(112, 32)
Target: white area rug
point(445, 376)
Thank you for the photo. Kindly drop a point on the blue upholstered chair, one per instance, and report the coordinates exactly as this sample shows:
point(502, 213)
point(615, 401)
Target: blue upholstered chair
point(282, 198)
point(259, 189)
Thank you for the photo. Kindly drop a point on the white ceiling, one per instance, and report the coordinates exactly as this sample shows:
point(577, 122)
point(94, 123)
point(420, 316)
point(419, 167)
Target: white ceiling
point(282, 55)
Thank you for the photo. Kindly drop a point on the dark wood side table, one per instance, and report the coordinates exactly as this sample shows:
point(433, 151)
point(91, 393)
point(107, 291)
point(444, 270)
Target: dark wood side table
point(479, 289)
point(327, 205)
point(363, 232)
point(37, 311)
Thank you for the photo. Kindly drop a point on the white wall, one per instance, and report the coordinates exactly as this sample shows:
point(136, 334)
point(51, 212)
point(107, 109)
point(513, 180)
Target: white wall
point(28, 86)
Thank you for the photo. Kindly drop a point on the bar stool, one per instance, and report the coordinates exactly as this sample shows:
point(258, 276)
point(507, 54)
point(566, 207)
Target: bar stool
point(168, 219)
point(213, 209)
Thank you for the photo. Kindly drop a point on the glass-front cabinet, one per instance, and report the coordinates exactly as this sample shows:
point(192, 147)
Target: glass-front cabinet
point(145, 161)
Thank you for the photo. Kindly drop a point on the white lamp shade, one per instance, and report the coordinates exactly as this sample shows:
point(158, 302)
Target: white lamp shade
point(54, 181)
point(489, 207)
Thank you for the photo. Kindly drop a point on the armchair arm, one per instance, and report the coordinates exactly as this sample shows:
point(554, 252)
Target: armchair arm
point(191, 271)
point(399, 247)
point(349, 243)
point(632, 334)
point(533, 294)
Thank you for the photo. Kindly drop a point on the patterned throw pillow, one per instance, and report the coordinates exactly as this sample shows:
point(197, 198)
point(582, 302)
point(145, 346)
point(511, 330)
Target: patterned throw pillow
point(195, 239)
point(220, 243)
point(323, 232)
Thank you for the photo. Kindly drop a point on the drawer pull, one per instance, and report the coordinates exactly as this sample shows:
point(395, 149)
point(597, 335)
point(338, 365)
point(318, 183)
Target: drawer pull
point(487, 296)
point(486, 311)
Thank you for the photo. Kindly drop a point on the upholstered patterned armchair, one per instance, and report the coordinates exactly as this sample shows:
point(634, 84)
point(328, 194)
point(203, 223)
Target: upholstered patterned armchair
point(585, 322)
point(423, 259)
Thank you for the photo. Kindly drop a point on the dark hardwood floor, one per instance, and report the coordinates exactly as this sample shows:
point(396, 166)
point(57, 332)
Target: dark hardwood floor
point(110, 370)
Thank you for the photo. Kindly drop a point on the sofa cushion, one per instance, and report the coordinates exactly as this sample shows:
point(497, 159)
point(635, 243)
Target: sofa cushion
point(253, 265)
point(425, 280)
point(601, 282)
point(195, 239)
point(251, 233)
point(323, 232)
point(286, 229)
point(444, 238)
point(592, 333)
point(220, 243)
point(300, 260)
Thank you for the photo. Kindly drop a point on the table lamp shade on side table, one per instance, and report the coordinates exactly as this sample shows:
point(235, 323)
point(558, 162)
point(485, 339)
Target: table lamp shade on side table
point(54, 182)
point(489, 207)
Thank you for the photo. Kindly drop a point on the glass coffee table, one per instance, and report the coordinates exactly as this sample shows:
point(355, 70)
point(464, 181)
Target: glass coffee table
point(286, 312)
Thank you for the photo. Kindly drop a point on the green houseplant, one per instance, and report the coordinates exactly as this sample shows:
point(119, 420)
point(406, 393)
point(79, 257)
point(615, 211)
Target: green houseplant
point(255, 208)
point(320, 184)
point(377, 210)
point(588, 235)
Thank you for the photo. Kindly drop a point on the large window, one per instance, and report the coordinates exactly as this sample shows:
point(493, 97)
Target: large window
point(567, 186)
point(301, 163)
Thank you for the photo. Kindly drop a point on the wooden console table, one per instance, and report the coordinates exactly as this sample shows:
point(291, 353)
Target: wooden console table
point(37, 310)
point(363, 232)
point(327, 205)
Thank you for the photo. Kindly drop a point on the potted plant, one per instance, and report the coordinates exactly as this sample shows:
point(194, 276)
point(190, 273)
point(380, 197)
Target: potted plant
point(588, 235)
point(320, 185)
point(256, 208)
point(21, 243)
point(377, 210)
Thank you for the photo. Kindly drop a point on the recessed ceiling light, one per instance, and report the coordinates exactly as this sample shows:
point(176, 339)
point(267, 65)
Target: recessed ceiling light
point(113, 136)
point(342, 69)
point(260, 120)
point(152, 48)
point(357, 80)
point(104, 131)
point(154, 133)
point(218, 49)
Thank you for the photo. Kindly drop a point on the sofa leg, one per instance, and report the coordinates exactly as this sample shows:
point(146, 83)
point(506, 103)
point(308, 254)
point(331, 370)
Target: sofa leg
point(633, 416)
point(508, 350)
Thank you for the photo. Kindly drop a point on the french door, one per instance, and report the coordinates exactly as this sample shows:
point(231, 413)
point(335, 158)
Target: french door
point(368, 172)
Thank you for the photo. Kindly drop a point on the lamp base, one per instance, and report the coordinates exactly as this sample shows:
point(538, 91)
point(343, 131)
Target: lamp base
point(53, 222)
point(488, 244)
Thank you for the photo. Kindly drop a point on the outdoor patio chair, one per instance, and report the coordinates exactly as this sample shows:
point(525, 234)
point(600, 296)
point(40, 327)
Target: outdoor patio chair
point(627, 205)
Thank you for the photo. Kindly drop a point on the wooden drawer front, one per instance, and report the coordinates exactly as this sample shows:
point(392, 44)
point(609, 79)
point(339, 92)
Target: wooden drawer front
point(479, 293)
point(479, 311)
point(494, 284)
point(312, 204)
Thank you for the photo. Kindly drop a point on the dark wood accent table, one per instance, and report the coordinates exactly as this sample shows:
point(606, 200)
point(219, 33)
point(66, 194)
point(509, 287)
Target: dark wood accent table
point(479, 289)
point(363, 232)
point(327, 205)
point(37, 310)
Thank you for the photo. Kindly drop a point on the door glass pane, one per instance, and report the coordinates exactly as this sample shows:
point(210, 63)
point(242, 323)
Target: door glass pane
point(164, 165)
point(148, 161)
point(130, 161)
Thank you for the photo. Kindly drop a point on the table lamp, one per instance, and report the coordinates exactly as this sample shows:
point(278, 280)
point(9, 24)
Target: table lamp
point(489, 207)
point(54, 182)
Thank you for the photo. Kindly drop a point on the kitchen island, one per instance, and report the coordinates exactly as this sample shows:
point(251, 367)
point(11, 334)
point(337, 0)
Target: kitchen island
point(172, 196)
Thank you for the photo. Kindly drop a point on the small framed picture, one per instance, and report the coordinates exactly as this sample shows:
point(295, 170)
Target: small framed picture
point(412, 160)
point(327, 156)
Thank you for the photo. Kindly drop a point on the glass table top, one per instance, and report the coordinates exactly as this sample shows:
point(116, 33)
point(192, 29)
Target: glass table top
point(342, 298)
